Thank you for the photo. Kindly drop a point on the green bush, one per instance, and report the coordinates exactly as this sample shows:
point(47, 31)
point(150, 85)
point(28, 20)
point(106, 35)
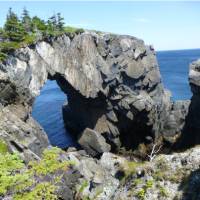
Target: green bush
point(69, 29)
point(24, 183)
point(30, 39)
point(6, 47)
point(3, 56)
point(141, 194)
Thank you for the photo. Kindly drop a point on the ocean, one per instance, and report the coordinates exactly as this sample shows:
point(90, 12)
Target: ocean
point(47, 108)
point(174, 69)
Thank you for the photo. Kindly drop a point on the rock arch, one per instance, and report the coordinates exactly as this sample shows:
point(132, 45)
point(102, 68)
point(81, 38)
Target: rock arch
point(113, 85)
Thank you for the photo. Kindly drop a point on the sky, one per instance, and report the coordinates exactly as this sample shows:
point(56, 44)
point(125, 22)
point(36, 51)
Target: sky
point(165, 25)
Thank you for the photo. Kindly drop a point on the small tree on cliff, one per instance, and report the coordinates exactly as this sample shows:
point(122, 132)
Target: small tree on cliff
point(52, 24)
point(60, 22)
point(13, 28)
point(26, 20)
point(38, 25)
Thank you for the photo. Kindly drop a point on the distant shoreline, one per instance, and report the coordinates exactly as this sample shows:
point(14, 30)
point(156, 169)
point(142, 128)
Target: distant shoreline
point(179, 50)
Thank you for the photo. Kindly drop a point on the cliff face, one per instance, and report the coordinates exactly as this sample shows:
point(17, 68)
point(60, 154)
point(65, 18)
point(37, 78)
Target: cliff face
point(112, 82)
point(191, 130)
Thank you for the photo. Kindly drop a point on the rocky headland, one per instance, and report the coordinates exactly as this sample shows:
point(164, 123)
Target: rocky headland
point(118, 110)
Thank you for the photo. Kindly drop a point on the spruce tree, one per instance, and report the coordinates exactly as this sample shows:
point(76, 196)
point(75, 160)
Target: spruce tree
point(38, 24)
point(2, 34)
point(26, 20)
point(60, 22)
point(52, 23)
point(13, 27)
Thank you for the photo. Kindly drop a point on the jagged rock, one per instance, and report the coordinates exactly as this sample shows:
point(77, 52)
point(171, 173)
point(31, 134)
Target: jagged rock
point(93, 142)
point(113, 177)
point(22, 134)
point(191, 130)
point(175, 121)
point(194, 74)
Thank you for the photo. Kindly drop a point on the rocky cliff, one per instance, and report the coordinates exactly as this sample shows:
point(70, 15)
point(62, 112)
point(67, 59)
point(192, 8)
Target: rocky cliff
point(113, 84)
point(191, 129)
point(115, 99)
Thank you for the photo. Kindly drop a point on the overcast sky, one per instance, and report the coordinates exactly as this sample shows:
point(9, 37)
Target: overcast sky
point(166, 25)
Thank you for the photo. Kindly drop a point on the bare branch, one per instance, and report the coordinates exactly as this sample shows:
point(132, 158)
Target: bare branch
point(155, 150)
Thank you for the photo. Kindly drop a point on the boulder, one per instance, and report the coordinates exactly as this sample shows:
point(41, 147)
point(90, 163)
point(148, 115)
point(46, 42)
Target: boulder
point(93, 142)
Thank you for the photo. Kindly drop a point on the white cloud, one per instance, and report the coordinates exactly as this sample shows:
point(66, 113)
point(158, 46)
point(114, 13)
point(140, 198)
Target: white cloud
point(141, 20)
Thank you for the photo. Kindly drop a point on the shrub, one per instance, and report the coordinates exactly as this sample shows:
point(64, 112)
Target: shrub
point(141, 194)
point(7, 47)
point(24, 183)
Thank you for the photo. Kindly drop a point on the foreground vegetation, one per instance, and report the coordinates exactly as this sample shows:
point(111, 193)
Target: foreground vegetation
point(25, 30)
point(38, 180)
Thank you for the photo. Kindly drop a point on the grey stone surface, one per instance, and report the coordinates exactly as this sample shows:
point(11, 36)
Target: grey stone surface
point(166, 177)
point(93, 142)
point(191, 130)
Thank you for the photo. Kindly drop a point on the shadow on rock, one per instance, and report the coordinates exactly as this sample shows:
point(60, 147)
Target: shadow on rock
point(191, 186)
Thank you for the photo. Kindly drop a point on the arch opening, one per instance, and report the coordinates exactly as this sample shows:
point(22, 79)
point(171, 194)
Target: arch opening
point(47, 110)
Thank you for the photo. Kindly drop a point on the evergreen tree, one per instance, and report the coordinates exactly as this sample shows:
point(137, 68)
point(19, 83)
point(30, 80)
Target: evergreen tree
point(2, 34)
point(38, 25)
point(60, 22)
point(26, 20)
point(13, 27)
point(52, 23)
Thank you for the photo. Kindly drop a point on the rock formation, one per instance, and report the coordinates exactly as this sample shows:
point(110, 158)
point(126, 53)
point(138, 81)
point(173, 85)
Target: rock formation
point(113, 177)
point(115, 99)
point(191, 129)
point(113, 86)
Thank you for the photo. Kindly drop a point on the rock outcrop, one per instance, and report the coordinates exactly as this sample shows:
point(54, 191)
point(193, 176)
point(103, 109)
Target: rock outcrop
point(112, 82)
point(191, 130)
point(113, 177)
point(129, 100)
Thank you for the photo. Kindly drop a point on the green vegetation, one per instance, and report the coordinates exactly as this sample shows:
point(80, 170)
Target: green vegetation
point(141, 194)
point(25, 30)
point(3, 147)
point(163, 191)
point(149, 184)
point(145, 186)
point(30, 183)
point(83, 186)
point(132, 167)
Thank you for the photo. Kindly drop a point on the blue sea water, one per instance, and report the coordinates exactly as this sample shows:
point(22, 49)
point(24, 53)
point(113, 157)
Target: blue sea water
point(174, 68)
point(47, 109)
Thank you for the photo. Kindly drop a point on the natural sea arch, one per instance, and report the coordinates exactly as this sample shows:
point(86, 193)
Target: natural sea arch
point(112, 82)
